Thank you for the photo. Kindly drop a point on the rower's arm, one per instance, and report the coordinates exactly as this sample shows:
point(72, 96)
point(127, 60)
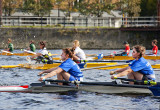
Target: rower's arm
point(53, 73)
point(36, 55)
point(124, 73)
point(120, 70)
point(75, 58)
point(154, 51)
point(47, 71)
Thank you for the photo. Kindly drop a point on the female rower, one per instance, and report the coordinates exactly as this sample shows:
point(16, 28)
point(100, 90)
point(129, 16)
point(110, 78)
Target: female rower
point(32, 47)
point(126, 51)
point(155, 48)
point(138, 69)
point(10, 45)
point(68, 70)
point(78, 52)
point(43, 54)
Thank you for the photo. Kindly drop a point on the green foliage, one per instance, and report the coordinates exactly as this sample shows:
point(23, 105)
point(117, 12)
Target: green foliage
point(10, 6)
point(148, 8)
point(39, 8)
point(95, 7)
point(131, 7)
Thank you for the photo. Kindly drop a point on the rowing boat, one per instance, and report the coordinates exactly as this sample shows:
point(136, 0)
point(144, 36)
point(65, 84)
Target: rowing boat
point(26, 53)
point(17, 54)
point(126, 58)
point(98, 87)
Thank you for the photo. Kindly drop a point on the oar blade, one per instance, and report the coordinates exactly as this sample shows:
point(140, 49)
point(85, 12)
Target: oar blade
point(155, 90)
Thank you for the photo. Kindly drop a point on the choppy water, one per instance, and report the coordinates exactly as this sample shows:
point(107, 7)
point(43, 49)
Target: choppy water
point(68, 100)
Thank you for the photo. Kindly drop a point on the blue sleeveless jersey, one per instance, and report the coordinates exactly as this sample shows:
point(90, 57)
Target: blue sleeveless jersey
point(71, 67)
point(141, 65)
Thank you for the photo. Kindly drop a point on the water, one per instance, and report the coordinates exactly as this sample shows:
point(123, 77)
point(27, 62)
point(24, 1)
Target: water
point(68, 100)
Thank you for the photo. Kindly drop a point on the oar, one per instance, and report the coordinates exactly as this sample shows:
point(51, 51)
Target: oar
point(122, 64)
point(91, 55)
point(155, 89)
point(7, 52)
point(148, 82)
point(102, 61)
point(9, 66)
point(29, 52)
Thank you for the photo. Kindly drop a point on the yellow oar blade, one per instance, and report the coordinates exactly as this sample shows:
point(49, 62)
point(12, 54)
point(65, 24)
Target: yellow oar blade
point(9, 66)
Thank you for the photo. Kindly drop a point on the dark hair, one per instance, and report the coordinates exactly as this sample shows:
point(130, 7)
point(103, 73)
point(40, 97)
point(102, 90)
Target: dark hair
point(140, 49)
point(42, 43)
point(125, 42)
point(73, 49)
point(155, 41)
point(69, 52)
point(32, 41)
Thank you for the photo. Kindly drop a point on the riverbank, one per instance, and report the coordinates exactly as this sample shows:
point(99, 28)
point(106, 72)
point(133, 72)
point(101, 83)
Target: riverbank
point(90, 38)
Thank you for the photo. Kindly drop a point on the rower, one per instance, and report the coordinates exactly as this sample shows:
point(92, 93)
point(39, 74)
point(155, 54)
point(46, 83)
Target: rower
point(139, 68)
point(32, 46)
point(126, 51)
point(43, 54)
point(154, 49)
point(78, 52)
point(10, 45)
point(68, 70)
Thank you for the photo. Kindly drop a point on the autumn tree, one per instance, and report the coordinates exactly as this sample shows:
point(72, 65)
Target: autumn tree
point(96, 7)
point(10, 6)
point(38, 7)
point(67, 6)
point(131, 7)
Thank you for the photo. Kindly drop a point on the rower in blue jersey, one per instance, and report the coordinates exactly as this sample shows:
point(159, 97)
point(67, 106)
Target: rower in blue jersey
point(68, 70)
point(139, 68)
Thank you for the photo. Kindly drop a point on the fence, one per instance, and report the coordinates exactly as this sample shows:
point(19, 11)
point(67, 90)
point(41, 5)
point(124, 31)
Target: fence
point(80, 21)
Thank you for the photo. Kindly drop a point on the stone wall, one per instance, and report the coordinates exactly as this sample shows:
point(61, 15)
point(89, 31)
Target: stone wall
point(90, 38)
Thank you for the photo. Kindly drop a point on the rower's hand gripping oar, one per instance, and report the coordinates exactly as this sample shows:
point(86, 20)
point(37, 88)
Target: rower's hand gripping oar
point(154, 88)
point(146, 82)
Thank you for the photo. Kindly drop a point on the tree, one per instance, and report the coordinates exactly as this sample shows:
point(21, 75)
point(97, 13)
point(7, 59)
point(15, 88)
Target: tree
point(131, 7)
point(96, 7)
point(67, 6)
point(10, 6)
point(148, 8)
point(39, 7)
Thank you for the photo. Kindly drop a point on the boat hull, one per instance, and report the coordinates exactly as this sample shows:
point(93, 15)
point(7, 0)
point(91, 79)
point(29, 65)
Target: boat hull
point(109, 88)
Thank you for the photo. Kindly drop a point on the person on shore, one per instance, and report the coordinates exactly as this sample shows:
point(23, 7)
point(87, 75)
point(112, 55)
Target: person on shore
point(139, 68)
point(78, 52)
point(126, 51)
point(154, 49)
point(68, 70)
point(43, 54)
point(32, 46)
point(10, 45)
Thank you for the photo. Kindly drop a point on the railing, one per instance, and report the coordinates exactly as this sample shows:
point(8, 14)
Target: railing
point(141, 21)
point(81, 21)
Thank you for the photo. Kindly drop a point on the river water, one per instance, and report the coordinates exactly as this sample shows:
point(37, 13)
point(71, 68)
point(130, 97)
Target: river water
point(68, 100)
